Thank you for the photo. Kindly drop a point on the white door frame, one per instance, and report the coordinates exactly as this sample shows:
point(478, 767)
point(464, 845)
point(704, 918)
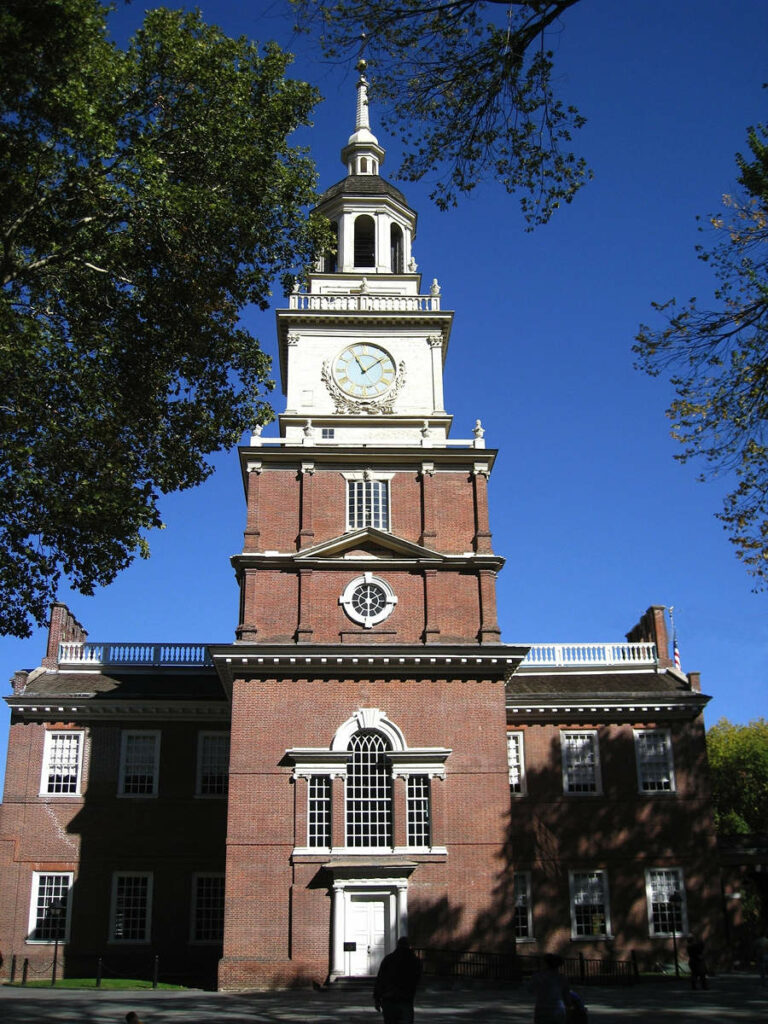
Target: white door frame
point(393, 892)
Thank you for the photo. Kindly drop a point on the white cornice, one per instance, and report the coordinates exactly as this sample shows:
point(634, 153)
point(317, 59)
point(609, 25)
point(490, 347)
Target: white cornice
point(493, 662)
point(597, 706)
point(82, 707)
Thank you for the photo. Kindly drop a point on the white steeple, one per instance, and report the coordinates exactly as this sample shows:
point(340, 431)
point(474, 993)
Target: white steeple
point(362, 153)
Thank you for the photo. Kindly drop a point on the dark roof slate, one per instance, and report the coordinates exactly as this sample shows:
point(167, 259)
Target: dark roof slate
point(150, 685)
point(362, 185)
point(576, 683)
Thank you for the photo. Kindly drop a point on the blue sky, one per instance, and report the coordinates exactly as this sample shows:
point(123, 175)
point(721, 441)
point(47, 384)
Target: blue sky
point(595, 518)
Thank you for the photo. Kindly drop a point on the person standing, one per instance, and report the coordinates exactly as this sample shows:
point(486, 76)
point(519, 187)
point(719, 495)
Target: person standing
point(696, 962)
point(396, 984)
point(552, 991)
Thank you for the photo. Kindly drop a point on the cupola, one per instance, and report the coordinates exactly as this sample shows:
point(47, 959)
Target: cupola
point(372, 221)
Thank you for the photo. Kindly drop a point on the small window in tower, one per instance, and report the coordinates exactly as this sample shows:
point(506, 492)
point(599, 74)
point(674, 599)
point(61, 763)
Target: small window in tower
point(327, 433)
point(363, 166)
point(396, 248)
point(365, 242)
point(368, 504)
point(331, 258)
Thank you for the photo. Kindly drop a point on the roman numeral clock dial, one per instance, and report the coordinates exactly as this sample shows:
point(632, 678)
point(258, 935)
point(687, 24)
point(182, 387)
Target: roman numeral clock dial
point(364, 371)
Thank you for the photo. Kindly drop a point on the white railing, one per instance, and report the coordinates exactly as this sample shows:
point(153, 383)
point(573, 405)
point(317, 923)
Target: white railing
point(129, 655)
point(186, 655)
point(257, 441)
point(365, 302)
point(562, 655)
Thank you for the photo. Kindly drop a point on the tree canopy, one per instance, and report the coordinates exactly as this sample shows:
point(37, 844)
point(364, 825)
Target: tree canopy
point(718, 358)
point(738, 761)
point(468, 88)
point(146, 196)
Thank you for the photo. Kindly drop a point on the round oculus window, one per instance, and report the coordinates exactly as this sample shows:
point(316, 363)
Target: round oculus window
point(368, 600)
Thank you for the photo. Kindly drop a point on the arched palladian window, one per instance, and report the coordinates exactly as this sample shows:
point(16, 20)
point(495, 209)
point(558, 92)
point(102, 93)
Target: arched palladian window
point(331, 259)
point(365, 241)
point(369, 791)
point(370, 754)
point(396, 249)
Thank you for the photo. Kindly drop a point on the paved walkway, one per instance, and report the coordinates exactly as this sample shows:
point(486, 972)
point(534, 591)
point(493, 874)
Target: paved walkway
point(730, 998)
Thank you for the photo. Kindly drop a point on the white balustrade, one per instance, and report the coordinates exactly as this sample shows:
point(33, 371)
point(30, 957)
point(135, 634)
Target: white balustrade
point(570, 655)
point(128, 655)
point(365, 302)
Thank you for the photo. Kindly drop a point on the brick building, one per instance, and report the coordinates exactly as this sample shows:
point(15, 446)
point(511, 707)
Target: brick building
point(367, 758)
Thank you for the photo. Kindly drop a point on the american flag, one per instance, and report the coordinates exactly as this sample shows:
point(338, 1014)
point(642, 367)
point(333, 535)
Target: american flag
point(676, 653)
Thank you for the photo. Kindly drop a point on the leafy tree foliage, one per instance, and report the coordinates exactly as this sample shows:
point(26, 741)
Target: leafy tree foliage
point(467, 86)
point(719, 360)
point(738, 761)
point(146, 196)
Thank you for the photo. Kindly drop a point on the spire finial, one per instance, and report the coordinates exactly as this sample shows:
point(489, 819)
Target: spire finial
point(362, 153)
point(361, 118)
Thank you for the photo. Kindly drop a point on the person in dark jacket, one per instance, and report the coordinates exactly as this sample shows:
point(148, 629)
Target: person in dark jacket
point(396, 984)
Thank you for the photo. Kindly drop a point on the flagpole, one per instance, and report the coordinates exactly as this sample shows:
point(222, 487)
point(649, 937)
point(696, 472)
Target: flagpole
point(675, 648)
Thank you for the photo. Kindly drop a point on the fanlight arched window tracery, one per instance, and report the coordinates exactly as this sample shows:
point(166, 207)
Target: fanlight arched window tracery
point(369, 792)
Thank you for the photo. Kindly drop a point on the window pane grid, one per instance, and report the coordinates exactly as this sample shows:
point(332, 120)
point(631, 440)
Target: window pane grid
point(131, 908)
point(580, 754)
point(654, 757)
point(589, 903)
point(214, 765)
point(369, 793)
point(63, 762)
point(666, 913)
point(522, 917)
point(515, 760)
point(139, 774)
point(319, 811)
point(368, 504)
point(418, 810)
point(209, 909)
point(51, 907)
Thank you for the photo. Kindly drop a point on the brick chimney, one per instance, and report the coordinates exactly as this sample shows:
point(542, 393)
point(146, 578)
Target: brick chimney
point(652, 628)
point(62, 627)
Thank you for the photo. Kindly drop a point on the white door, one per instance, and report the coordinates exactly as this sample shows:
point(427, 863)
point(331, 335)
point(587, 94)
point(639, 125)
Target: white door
point(366, 932)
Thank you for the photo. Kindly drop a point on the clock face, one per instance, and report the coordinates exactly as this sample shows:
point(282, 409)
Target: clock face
point(364, 371)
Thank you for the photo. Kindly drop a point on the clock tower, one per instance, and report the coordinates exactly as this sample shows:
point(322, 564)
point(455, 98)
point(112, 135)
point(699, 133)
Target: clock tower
point(369, 786)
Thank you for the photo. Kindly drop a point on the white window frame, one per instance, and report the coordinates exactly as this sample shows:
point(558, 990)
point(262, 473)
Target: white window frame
point(323, 804)
point(116, 876)
point(347, 602)
point(644, 762)
point(37, 877)
point(51, 735)
point(202, 737)
point(573, 877)
point(566, 761)
point(521, 880)
point(677, 873)
point(368, 477)
point(418, 810)
point(156, 733)
point(516, 762)
point(194, 940)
